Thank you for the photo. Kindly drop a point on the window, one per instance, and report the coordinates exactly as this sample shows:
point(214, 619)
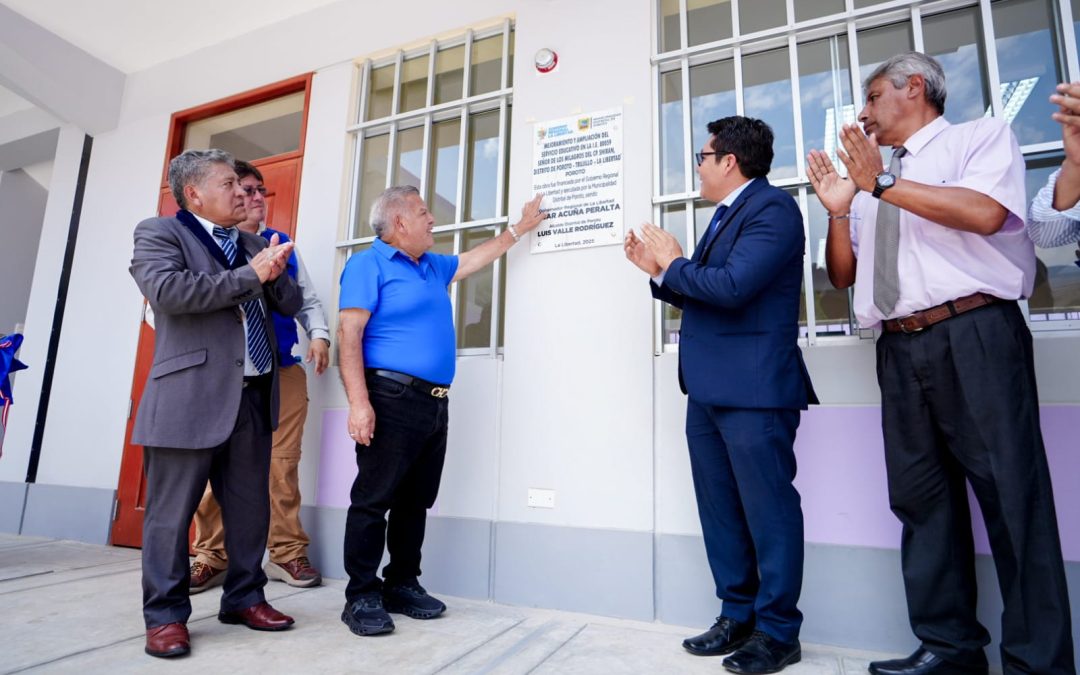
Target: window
point(799, 66)
point(438, 118)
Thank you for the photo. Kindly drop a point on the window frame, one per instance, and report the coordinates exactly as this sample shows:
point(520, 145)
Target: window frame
point(848, 23)
point(463, 108)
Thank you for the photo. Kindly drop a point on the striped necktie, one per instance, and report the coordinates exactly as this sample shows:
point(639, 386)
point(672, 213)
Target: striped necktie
point(887, 247)
point(258, 344)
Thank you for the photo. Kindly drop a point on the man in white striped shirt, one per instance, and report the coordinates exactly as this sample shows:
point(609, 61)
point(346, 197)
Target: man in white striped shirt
point(1054, 215)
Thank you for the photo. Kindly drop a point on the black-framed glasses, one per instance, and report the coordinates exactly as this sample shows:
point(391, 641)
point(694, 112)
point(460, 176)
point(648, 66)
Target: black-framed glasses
point(250, 190)
point(700, 156)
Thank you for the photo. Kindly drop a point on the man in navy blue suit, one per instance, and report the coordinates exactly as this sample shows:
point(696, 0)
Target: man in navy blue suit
point(740, 364)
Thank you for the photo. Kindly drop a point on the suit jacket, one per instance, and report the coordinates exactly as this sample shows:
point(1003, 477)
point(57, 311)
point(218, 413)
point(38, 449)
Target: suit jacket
point(740, 299)
point(192, 397)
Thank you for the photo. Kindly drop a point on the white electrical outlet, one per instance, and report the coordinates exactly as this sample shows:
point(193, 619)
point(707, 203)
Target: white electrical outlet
point(539, 498)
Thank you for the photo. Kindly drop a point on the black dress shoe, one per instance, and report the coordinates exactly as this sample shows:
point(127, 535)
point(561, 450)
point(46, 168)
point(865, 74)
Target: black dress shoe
point(763, 653)
point(725, 636)
point(922, 662)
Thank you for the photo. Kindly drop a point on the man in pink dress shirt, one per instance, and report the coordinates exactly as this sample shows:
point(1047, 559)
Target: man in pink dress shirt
point(936, 248)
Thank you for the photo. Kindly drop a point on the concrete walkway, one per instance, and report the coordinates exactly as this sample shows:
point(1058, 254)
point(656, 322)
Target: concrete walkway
point(69, 607)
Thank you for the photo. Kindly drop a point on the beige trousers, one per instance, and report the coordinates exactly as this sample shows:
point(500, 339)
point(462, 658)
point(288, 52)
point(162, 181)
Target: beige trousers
point(286, 539)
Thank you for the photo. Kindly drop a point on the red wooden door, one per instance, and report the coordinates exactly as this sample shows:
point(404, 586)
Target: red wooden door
point(281, 175)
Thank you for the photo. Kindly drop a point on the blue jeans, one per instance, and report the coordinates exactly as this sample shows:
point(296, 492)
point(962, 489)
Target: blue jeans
point(399, 472)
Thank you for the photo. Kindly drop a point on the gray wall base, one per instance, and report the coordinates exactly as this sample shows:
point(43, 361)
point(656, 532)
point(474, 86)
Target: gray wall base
point(64, 512)
point(12, 500)
point(852, 596)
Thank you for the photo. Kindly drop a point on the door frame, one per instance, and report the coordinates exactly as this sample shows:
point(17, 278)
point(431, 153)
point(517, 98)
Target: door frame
point(128, 510)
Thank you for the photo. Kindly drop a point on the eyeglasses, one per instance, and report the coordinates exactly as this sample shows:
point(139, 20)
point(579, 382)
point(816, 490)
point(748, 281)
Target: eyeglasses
point(700, 156)
point(250, 190)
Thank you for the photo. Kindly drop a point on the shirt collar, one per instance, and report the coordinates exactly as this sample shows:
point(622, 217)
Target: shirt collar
point(234, 234)
point(734, 194)
point(389, 252)
point(919, 140)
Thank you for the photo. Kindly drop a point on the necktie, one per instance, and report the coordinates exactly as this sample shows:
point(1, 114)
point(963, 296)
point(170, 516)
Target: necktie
point(717, 217)
point(258, 344)
point(887, 247)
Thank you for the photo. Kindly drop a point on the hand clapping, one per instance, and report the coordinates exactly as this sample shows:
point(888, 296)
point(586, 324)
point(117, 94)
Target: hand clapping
point(269, 263)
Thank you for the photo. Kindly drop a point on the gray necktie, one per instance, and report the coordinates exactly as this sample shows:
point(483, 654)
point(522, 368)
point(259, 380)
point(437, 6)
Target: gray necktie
point(887, 247)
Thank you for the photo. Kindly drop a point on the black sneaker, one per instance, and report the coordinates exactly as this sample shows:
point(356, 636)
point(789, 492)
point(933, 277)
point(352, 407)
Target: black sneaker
point(366, 616)
point(410, 598)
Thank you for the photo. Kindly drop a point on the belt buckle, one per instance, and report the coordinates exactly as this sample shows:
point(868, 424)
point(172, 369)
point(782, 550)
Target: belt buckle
point(903, 326)
point(440, 392)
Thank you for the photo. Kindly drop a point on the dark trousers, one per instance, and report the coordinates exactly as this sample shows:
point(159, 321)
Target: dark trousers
point(743, 465)
point(399, 472)
point(959, 405)
point(239, 472)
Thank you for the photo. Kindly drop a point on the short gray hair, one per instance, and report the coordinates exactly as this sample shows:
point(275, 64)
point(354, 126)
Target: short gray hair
point(387, 205)
point(191, 167)
point(901, 67)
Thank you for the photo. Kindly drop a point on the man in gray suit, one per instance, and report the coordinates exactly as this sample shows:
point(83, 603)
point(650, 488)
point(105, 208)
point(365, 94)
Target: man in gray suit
point(212, 398)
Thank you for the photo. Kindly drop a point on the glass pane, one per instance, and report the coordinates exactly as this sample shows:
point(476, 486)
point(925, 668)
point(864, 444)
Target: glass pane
point(483, 166)
point(474, 296)
point(667, 39)
point(703, 213)
point(955, 40)
point(878, 45)
point(813, 9)
point(712, 96)
point(767, 96)
point(372, 180)
point(486, 72)
point(1026, 52)
point(859, 4)
point(825, 94)
point(251, 133)
point(1057, 278)
point(510, 66)
point(449, 74)
point(832, 307)
point(673, 219)
point(409, 157)
point(442, 186)
point(380, 92)
point(414, 74)
point(761, 15)
point(708, 21)
point(672, 152)
point(444, 243)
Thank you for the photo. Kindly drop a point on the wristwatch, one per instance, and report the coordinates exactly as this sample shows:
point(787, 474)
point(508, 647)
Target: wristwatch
point(883, 182)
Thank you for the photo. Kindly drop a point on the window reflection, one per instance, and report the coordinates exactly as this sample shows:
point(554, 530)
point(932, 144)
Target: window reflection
point(667, 38)
point(380, 92)
point(814, 9)
point(1029, 70)
point(825, 94)
point(409, 157)
point(449, 74)
point(767, 96)
point(712, 96)
point(414, 72)
point(442, 187)
point(483, 166)
point(1057, 278)
point(954, 39)
point(486, 72)
point(673, 219)
point(672, 152)
point(474, 296)
point(708, 21)
point(375, 152)
point(761, 15)
point(832, 306)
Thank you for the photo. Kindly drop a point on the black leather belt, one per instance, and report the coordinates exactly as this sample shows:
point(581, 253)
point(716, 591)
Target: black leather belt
point(430, 388)
point(258, 380)
point(913, 323)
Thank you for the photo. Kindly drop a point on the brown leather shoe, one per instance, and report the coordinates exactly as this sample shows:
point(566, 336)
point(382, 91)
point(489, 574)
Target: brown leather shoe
point(203, 577)
point(258, 617)
point(169, 640)
point(297, 572)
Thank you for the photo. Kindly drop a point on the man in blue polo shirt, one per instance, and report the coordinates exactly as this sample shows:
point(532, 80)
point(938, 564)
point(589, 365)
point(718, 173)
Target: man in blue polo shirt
point(397, 353)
